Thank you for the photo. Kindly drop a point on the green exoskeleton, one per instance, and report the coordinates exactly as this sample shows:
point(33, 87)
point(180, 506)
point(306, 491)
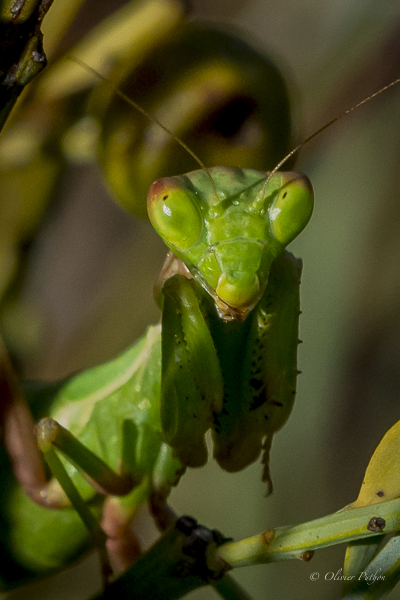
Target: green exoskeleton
point(230, 322)
point(224, 358)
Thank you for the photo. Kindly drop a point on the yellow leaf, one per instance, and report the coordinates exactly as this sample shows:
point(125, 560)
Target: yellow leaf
point(382, 477)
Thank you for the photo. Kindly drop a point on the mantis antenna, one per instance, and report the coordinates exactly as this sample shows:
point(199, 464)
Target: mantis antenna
point(151, 117)
point(148, 115)
point(321, 129)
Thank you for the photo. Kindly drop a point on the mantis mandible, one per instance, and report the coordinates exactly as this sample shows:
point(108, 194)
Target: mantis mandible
point(223, 359)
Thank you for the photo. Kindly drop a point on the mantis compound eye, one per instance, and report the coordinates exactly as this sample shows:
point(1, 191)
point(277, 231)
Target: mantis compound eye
point(292, 209)
point(174, 214)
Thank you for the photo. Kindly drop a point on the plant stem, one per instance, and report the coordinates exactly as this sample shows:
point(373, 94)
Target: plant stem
point(300, 541)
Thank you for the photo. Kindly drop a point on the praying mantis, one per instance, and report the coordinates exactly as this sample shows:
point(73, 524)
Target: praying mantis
point(207, 369)
point(156, 466)
point(232, 306)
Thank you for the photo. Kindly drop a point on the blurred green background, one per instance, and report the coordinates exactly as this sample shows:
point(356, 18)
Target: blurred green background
point(91, 271)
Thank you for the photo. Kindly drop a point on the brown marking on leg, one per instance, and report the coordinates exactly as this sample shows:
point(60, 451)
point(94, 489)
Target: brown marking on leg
point(163, 514)
point(19, 432)
point(122, 545)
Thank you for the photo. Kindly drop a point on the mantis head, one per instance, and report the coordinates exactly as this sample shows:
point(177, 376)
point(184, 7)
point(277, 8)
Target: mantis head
point(229, 233)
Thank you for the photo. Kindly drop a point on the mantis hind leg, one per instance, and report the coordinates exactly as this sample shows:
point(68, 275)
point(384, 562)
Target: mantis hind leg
point(18, 431)
point(145, 474)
